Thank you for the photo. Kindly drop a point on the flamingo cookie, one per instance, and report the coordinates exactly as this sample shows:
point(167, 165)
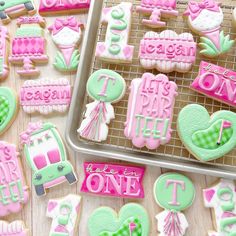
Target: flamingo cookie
point(205, 18)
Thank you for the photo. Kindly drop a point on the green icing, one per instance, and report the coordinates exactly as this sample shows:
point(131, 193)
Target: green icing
point(208, 138)
point(29, 31)
point(12, 3)
point(106, 86)
point(228, 204)
point(194, 118)
point(174, 197)
point(227, 222)
point(4, 109)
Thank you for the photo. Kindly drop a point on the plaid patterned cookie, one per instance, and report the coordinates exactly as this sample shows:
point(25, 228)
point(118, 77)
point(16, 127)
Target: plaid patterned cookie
point(4, 109)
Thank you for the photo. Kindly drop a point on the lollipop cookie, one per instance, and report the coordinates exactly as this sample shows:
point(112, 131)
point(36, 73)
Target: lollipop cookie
point(205, 19)
point(66, 34)
point(132, 220)
point(105, 87)
point(150, 111)
point(173, 192)
point(207, 137)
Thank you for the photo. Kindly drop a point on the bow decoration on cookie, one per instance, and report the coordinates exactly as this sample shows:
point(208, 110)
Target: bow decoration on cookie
point(195, 8)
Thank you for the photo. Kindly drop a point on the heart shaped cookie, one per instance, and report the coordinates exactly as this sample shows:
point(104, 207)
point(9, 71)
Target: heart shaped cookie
point(8, 108)
point(207, 137)
point(132, 220)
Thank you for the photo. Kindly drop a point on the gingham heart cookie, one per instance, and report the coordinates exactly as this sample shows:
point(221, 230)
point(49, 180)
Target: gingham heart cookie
point(8, 108)
point(207, 137)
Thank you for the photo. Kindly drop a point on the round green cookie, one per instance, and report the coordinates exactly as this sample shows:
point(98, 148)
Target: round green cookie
point(106, 86)
point(174, 192)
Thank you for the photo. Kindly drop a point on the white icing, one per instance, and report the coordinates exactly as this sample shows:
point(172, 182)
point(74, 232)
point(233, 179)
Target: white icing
point(207, 20)
point(11, 228)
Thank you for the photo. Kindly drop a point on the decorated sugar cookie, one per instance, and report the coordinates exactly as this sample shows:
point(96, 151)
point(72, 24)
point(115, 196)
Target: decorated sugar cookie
point(205, 18)
point(173, 192)
point(29, 45)
point(113, 180)
point(167, 51)
point(65, 215)
point(132, 220)
point(216, 82)
point(66, 34)
point(45, 96)
point(15, 228)
point(13, 190)
point(46, 156)
point(222, 199)
point(116, 49)
point(150, 111)
point(105, 87)
point(157, 9)
point(12, 8)
point(207, 137)
point(8, 108)
point(51, 7)
point(4, 37)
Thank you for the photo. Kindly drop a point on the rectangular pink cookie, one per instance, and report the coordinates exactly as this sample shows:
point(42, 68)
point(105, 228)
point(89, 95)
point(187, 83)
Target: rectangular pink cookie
point(216, 82)
point(113, 180)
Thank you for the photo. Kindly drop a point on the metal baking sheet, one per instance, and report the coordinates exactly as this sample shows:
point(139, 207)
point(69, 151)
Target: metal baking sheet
point(173, 155)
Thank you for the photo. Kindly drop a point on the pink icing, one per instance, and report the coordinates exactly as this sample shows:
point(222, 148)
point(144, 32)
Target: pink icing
point(175, 183)
point(150, 109)
point(13, 190)
point(4, 37)
point(31, 20)
point(113, 180)
point(62, 5)
point(173, 224)
point(51, 205)
point(171, 4)
point(216, 82)
point(195, 8)
point(16, 228)
point(208, 194)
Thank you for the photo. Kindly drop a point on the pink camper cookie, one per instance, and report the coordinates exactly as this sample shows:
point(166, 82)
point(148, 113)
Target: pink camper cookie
point(113, 180)
point(15, 228)
point(150, 111)
point(13, 190)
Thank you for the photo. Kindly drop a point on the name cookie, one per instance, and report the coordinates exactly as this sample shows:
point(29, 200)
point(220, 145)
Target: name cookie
point(115, 49)
point(48, 7)
point(8, 108)
point(15, 228)
point(150, 111)
point(4, 37)
point(105, 87)
point(46, 155)
point(167, 51)
point(157, 9)
point(222, 199)
point(29, 45)
point(207, 137)
point(65, 215)
point(66, 34)
point(13, 190)
point(12, 8)
point(113, 180)
point(216, 82)
point(173, 192)
point(45, 95)
point(205, 18)
point(131, 220)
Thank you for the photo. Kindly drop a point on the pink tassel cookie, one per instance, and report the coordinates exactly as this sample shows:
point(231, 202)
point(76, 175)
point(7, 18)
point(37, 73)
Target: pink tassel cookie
point(29, 45)
point(45, 96)
point(65, 215)
point(216, 82)
point(167, 51)
point(115, 49)
point(4, 67)
point(205, 18)
point(15, 228)
point(105, 87)
point(13, 190)
point(67, 34)
point(173, 192)
point(150, 111)
point(157, 9)
point(45, 153)
point(113, 180)
point(13, 8)
point(52, 7)
point(221, 199)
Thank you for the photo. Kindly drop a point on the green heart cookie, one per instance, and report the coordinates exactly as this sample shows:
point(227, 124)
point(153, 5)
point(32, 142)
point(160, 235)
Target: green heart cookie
point(8, 108)
point(207, 137)
point(132, 220)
